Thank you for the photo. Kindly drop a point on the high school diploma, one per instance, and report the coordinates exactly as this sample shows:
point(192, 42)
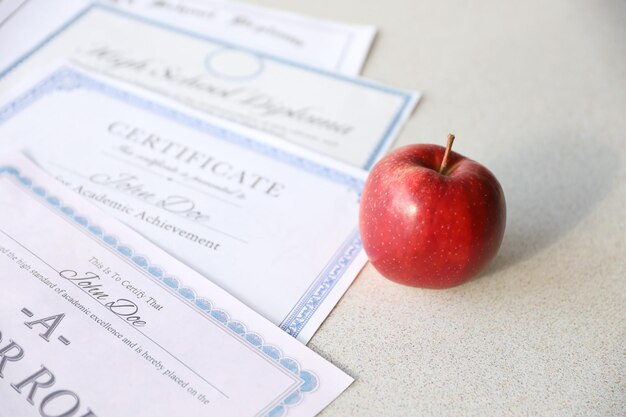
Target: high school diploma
point(349, 119)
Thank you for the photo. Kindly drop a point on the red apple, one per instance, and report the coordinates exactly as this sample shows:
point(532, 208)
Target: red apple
point(430, 217)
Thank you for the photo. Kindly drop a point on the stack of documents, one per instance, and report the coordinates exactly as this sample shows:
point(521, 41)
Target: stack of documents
point(179, 190)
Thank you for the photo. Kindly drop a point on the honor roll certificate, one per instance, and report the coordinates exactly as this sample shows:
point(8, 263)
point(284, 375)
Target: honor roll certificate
point(276, 229)
point(348, 119)
point(96, 321)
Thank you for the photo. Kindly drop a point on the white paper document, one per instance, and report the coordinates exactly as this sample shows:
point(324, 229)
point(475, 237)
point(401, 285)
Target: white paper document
point(324, 44)
point(348, 119)
point(32, 22)
point(274, 227)
point(8, 8)
point(97, 321)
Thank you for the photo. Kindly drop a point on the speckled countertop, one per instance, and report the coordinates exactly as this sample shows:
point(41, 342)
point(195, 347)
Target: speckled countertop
point(536, 91)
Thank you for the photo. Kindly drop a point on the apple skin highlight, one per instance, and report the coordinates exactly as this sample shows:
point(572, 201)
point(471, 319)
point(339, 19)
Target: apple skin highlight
point(428, 229)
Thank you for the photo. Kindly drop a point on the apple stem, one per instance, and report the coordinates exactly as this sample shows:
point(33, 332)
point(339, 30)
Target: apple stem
point(444, 162)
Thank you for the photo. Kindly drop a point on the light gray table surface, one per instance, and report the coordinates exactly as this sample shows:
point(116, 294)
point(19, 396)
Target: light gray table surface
point(536, 91)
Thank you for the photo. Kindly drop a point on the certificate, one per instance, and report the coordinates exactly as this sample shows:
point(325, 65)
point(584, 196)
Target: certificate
point(96, 321)
point(320, 43)
point(275, 227)
point(348, 119)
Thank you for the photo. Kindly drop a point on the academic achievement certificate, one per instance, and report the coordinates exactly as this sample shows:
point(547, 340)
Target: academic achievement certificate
point(272, 225)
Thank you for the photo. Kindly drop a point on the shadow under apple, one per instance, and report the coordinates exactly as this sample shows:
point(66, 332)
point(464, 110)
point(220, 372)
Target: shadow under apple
point(551, 183)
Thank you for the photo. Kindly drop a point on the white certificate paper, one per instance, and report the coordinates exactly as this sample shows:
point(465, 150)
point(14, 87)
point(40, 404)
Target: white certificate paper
point(32, 22)
point(322, 44)
point(8, 8)
point(96, 321)
point(274, 227)
point(348, 119)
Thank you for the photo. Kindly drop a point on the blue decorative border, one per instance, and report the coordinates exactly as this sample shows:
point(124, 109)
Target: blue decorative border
point(65, 79)
point(376, 153)
point(308, 304)
point(310, 381)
